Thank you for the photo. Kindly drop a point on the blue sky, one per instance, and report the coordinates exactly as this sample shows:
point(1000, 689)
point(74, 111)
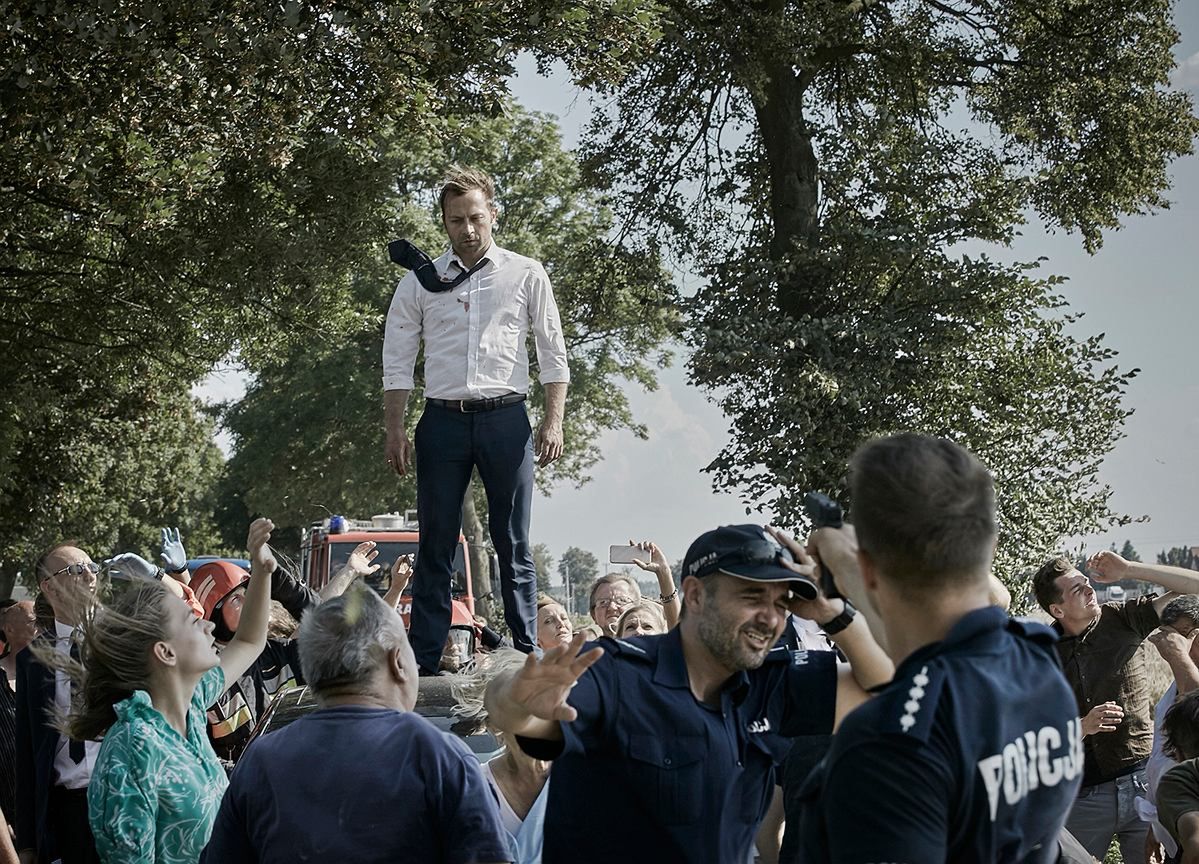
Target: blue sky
point(1138, 290)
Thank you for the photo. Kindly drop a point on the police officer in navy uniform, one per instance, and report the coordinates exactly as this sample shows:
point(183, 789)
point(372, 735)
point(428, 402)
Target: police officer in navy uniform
point(973, 753)
point(667, 744)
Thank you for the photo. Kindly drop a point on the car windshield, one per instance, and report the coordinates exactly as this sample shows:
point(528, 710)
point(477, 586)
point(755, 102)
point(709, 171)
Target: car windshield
point(380, 580)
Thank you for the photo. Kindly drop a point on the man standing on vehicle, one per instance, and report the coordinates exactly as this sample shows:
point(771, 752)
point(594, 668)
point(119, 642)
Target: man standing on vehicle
point(476, 381)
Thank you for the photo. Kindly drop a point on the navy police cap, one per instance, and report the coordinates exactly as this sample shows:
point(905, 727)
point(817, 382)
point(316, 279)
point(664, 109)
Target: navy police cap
point(747, 552)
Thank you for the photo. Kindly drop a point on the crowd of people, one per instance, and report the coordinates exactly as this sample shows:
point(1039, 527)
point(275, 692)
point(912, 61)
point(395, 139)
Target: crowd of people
point(863, 696)
point(760, 718)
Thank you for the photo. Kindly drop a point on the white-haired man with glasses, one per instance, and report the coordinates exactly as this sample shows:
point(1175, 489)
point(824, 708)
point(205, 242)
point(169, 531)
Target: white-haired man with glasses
point(53, 772)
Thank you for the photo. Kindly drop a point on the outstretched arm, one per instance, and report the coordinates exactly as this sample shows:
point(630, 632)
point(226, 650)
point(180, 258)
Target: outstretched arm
point(660, 567)
point(250, 639)
point(358, 564)
point(531, 700)
point(1109, 567)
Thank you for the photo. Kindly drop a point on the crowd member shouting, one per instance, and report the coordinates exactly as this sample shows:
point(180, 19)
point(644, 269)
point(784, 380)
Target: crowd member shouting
point(672, 738)
point(519, 781)
point(149, 669)
point(362, 779)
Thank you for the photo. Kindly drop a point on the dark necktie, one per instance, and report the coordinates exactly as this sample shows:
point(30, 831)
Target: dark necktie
point(406, 255)
point(75, 749)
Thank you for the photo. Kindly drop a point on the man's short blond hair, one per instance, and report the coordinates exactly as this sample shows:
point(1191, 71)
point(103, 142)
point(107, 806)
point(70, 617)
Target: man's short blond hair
point(461, 179)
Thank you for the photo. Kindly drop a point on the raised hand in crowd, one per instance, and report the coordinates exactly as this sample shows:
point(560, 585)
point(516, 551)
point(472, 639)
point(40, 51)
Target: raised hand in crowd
point(1108, 567)
point(360, 563)
point(401, 575)
point(660, 567)
point(174, 558)
point(1175, 648)
point(532, 699)
point(1105, 717)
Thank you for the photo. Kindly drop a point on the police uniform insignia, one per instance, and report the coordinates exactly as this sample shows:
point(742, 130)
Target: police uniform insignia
point(911, 705)
point(915, 694)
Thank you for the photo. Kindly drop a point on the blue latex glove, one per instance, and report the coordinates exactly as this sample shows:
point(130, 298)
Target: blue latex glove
point(173, 557)
point(130, 566)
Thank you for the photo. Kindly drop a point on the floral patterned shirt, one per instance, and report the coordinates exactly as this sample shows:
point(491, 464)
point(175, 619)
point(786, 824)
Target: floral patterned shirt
point(153, 796)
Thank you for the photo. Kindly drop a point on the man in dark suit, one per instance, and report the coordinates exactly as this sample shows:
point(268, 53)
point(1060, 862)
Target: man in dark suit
point(52, 771)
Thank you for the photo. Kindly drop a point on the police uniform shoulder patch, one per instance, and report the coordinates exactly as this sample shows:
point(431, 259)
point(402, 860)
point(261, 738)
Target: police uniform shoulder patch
point(909, 705)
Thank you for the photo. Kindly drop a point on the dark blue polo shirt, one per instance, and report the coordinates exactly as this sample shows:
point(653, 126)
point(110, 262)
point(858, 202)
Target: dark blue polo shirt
point(649, 773)
point(972, 753)
point(357, 784)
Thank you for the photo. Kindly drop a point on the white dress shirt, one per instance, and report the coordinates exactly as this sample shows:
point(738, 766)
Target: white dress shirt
point(475, 333)
point(67, 772)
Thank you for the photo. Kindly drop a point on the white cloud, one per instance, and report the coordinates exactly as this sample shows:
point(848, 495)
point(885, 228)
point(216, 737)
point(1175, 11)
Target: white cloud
point(1186, 75)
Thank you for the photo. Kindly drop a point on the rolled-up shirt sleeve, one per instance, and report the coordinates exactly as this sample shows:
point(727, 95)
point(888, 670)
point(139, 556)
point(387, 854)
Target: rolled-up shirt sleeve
point(401, 335)
point(547, 330)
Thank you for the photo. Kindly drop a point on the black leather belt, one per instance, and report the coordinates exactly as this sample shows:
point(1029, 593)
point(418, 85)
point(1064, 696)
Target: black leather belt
point(472, 406)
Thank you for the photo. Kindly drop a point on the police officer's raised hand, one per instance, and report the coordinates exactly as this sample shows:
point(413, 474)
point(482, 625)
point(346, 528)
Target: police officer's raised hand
point(541, 686)
point(821, 609)
point(1102, 718)
point(398, 451)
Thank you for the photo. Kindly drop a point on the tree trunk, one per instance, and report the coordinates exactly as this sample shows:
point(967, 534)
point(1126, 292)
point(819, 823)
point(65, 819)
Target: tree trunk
point(794, 177)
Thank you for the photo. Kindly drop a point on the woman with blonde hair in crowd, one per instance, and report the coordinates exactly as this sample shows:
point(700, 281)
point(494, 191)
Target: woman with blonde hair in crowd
point(521, 783)
point(553, 624)
point(148, 670)
point(641, 619)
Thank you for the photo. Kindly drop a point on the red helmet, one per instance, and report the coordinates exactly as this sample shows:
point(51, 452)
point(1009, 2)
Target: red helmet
point(214, 581)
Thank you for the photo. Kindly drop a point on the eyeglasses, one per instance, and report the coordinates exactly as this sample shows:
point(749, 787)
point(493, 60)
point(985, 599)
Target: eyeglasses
point(618, 601)
point(78, 569)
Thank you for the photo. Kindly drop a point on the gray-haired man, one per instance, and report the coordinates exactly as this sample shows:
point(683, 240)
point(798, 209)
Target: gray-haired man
point(362, 778)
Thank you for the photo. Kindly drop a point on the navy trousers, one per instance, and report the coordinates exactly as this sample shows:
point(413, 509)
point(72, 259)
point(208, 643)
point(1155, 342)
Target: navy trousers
point(449, 444)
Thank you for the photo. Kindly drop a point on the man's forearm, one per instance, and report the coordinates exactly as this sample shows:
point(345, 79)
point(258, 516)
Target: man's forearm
point(1186, 673)
point(870, 664)
point(555, 402)
point(1176, 579)
point(395, 407)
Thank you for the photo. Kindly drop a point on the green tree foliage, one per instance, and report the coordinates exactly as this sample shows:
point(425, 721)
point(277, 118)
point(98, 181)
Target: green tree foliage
point(120, 474)
point(1128, 552)
point(307, 434)
point(183, 180)
point(544, 562)
point(834, 170)
point(1179, 556)
point(579, 569)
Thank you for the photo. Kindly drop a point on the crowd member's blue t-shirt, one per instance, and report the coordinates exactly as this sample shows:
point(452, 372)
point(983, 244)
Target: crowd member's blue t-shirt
point(362, 785)
point(972, 753)
point(648, 773)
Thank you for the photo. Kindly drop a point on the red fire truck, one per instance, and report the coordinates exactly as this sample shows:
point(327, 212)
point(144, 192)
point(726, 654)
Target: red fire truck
point(326, 546)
